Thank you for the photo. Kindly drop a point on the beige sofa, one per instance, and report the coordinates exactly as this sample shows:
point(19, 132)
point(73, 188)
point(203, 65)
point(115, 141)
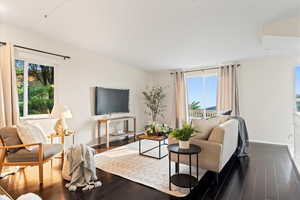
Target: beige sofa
point(216, 150)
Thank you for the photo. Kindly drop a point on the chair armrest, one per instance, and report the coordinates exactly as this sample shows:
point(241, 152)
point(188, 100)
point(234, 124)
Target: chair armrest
point(20, 146)
point(40, 151)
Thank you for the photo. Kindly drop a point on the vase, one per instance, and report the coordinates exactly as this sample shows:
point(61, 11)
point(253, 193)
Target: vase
point(184, 144)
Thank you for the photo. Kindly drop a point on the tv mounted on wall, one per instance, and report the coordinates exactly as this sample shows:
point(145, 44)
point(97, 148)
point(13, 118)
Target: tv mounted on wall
point(108, 101)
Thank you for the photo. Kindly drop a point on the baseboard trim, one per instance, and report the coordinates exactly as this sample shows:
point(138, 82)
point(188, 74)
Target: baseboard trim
point(264, 142)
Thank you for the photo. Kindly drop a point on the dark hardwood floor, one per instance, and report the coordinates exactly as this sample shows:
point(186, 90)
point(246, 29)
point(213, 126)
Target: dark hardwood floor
point(267, 174)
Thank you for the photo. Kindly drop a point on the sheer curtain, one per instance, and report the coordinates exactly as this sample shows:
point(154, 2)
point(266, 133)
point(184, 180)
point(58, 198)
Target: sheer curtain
point(9, 109)
point(180, 99)
point(228, 96)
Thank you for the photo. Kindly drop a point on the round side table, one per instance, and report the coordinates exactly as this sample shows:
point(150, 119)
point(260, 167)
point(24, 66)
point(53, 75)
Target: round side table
point(179, 179)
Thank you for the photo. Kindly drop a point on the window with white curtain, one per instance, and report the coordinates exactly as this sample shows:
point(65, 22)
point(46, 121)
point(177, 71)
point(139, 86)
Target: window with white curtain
point(201, 92)
point(35, 83)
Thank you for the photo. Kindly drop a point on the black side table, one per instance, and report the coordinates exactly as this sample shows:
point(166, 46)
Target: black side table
point(183, 180)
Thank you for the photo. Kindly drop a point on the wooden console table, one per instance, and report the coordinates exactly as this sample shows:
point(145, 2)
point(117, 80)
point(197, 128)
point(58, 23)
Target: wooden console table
point(126, 131)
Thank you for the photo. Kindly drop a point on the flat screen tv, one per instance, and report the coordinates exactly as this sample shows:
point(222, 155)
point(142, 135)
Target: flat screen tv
point(111, 101)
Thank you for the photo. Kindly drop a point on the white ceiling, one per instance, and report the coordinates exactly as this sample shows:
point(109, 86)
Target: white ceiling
point(154, 34)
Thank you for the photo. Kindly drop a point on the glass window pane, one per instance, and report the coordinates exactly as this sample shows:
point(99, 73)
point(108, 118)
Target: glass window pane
point(40, 89)
point(20, 84)
point(202, 96)
point(211, 87)
point(194, 96)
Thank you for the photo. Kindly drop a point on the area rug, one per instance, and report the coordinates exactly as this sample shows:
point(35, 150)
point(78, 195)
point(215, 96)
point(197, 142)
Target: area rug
point(126, 162)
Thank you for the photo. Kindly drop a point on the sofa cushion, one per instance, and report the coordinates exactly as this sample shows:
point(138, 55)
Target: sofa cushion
point(23, 155)
point(203, 127)
point(10, 137)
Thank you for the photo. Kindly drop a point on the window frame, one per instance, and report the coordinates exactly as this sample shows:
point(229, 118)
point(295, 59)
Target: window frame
point(27, 61)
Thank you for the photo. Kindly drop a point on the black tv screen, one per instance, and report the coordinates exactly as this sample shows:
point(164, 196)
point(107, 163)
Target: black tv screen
point(111, 101)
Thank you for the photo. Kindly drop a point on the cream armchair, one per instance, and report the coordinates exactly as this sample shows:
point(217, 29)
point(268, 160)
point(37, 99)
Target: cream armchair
point(13, 152)
point(216, 150)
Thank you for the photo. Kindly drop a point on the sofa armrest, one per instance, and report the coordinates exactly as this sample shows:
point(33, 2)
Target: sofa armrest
point(209, 158)
point(172, 140)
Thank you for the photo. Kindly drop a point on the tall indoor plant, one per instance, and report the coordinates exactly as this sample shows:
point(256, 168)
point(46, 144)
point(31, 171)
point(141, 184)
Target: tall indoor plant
point(183, 135)
point(154, 102)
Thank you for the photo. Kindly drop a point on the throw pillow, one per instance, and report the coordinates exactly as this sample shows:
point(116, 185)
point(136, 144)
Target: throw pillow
point(217, 135)
point(203, 128)
point(29, 133)
point(10, 137)
point(222, 118)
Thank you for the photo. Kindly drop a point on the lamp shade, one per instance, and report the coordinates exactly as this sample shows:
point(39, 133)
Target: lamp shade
point(61, 112)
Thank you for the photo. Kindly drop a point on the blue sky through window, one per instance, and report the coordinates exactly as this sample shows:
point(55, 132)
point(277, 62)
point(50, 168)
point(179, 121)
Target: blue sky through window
point(297, 80)
point(202, 89)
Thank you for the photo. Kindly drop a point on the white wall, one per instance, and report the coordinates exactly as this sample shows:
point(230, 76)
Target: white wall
point(165, 79)
point(267, 98)
point(75, 78)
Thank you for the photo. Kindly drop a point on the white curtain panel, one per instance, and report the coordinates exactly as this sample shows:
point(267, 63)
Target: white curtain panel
point(228, 96)
point(9, 109)
point(180, 99)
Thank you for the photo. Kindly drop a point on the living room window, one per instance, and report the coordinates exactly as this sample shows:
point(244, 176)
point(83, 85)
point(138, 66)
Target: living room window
point(35, 83)
point(201, 88)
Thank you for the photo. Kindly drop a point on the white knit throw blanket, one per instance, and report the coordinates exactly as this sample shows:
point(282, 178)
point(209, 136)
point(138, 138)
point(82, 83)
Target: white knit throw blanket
point(82, 168)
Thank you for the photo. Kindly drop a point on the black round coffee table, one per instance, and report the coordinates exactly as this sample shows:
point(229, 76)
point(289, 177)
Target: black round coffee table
point(183, 180)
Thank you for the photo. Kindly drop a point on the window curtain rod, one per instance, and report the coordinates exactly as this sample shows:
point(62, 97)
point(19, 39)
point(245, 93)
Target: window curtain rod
point(197, 70)
point(36, 50)
point(205, 69)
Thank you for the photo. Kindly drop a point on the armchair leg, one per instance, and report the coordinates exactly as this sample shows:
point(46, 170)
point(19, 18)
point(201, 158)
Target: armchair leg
point(1, 166)
point(41, 174)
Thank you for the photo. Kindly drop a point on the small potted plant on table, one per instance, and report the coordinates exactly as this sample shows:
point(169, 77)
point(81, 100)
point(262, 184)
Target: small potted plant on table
point(157, 129)
point(183, 135)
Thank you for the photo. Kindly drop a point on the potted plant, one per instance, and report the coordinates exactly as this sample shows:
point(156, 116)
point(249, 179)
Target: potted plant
point(157, 129)
point(183, 135)
point(154, 102)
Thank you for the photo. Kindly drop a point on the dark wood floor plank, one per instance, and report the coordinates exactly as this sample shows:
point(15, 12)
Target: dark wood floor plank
point(267, 174)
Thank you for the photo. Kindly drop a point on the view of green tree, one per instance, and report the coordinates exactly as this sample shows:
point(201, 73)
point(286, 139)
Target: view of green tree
point(195, 105)
point(40, 88)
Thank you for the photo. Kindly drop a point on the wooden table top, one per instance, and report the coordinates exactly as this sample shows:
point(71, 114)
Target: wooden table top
point(151, 137)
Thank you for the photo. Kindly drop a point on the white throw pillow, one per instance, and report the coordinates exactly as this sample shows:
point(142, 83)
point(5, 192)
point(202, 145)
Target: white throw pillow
point(203, 127)
point(29, 133)
point(29, 196)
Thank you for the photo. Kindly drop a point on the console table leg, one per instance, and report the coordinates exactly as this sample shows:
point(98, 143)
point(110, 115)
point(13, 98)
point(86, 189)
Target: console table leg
point(107, 135)
point(134, 128)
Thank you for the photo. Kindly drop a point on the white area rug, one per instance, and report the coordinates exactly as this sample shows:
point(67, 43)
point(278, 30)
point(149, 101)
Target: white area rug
point(126, 162)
